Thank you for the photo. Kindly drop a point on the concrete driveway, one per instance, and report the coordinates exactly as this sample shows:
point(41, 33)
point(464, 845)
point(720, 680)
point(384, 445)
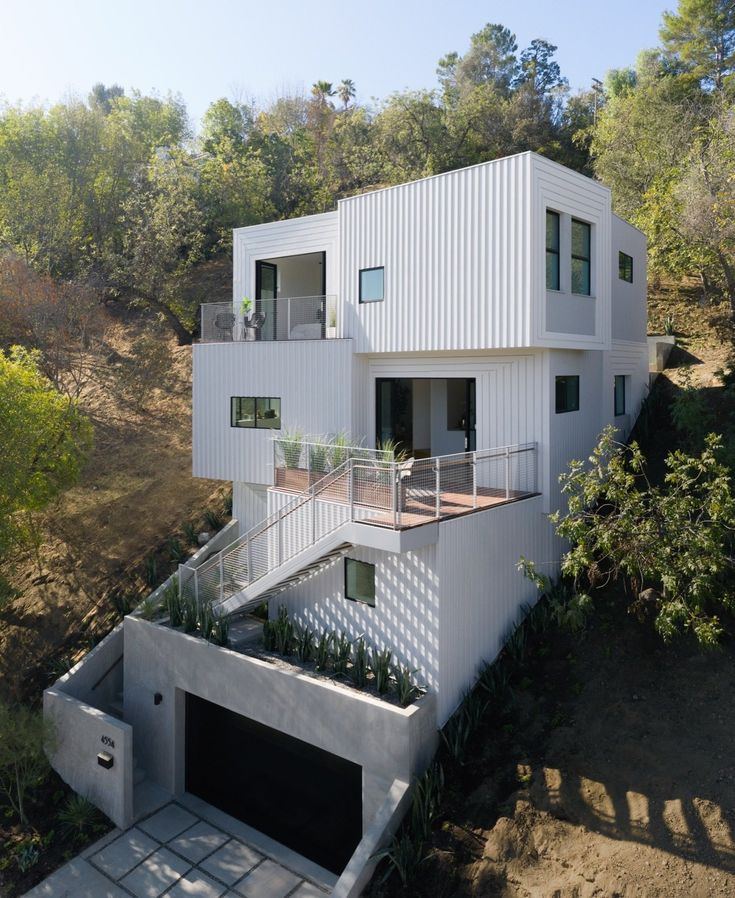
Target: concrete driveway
point(187, 849)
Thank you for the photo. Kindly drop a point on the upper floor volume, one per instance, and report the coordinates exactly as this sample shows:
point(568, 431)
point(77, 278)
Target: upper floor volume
point(517, 252)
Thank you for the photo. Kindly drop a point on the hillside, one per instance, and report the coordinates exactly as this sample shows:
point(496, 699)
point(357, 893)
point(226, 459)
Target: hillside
point(608, 773)
point(96, 558)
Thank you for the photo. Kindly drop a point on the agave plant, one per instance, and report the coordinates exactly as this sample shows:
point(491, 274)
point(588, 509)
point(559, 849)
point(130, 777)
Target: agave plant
point(380, 666)
point(342, 649)
point(323, 650)
point(406, 690)
point(359, 668)
point(303, 643)
point(220, 630)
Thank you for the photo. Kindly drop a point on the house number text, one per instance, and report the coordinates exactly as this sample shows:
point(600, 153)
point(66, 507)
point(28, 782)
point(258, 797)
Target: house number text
point(106, 740)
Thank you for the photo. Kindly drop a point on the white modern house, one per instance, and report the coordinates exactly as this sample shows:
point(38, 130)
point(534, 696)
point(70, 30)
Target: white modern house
point(487, 322)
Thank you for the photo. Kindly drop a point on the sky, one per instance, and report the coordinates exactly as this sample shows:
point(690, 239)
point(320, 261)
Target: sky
point(243, 49)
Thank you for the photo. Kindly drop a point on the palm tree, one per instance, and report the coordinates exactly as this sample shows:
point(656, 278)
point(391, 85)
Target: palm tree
point(321, 90)
point(346, 90)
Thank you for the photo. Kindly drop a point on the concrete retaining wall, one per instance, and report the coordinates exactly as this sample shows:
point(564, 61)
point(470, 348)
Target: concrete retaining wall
point(98, 678)
point(388, 742)
point(82, 732)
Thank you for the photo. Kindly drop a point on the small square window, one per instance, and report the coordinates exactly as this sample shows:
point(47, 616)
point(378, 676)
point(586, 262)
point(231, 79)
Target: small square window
point(625, 267)
point(567, 393)
point(360, 581)
point(619, 394)
point(372, 284)
point(255, 411)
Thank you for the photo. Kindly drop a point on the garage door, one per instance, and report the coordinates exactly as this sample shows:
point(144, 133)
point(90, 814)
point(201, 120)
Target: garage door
point(305, 798)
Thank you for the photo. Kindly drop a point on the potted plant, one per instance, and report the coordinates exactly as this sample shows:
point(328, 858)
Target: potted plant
point(332, 323)
point(246, 307)
point(292, 476)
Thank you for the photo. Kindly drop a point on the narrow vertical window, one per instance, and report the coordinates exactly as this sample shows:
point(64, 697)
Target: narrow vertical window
point(619, 394)
point(552, 250)
point(567, 393)
point(625, 267)
point(581, 232)
point(360, 581)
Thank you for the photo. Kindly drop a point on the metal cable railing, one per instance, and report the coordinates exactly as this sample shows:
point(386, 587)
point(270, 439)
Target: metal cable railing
point(396, 495)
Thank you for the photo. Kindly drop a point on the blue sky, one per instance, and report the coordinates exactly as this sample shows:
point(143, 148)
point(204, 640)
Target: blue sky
point(49, 48)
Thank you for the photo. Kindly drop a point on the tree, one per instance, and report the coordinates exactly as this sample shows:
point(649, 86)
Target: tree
point(491, 58)
point(25, 737)
point(346, 91)
point(675, 539)
point(701, 35)
point(102, 97)
point(540, 69)
point(44, 440)
point(225, 128)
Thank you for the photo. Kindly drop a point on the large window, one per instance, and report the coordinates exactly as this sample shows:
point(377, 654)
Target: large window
point(255, 411)
point(567, 393)
point(360, 581)
point(619, 394)
point(625, 267)
point(581, 233)
point(552, 250)
point(372, 286)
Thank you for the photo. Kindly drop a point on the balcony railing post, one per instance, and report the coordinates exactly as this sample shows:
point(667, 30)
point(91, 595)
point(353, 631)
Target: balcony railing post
point(351, 487)
point(313, 518)
point(196, 584)
point(474, 480)
point(394, 497)
point(438, 489)
point(507, 472)
point(250, 561)
point(221, 577)
point(279, 539)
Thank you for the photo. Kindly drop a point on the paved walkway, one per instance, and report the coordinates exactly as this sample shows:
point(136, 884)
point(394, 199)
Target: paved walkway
point(187, 849)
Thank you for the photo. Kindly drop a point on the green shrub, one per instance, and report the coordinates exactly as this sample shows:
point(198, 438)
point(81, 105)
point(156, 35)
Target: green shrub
point(303, 643)
point(176, 550)
point(406, 690)
point(189, 613)
point(79, 817)
point(173, 604)
point(359, 668)
point(213, 519)
point(151, 571)
point(221, 630)
point(318, 453)
point(190, 534)
point(323, 650)
point(427, 796)
point(25, 737)
point(27, 855)
point(342, 649)
point(206, 620)
point(380, 666)
point(291, 444)
point(404, 855)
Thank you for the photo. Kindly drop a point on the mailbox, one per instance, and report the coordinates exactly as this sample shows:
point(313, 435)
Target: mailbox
point(105, 759)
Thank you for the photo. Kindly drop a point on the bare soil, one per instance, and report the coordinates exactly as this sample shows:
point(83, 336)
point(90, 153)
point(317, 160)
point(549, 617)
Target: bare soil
point(610, 771)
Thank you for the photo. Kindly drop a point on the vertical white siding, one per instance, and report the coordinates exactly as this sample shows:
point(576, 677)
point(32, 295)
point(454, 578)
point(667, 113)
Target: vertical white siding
point(456, 251)
point(481, 591)
point(249, 504)
point(313, 379)
point(507, 388)
point(629, 319)
point(308, 234)
point(405, 618)
point(562, 190)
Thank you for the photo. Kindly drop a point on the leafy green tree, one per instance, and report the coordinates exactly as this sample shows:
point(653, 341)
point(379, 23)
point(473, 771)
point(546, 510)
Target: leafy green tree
point(226, 127)
point(490, 58)
point(25, 737)
point(675, 539)
point(44, 440)
point(701, 36)
point(539, 68)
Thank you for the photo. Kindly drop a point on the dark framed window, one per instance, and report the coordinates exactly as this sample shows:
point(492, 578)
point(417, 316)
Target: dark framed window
point(552, 250)
point(619, 394)
point(255, 411)
point(567, 393)
point(372, 284)
point(360, 581)
point(625, 267)
point(581, 258)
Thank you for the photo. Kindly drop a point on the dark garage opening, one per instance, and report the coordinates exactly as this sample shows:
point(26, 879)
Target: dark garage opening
point(308, 799)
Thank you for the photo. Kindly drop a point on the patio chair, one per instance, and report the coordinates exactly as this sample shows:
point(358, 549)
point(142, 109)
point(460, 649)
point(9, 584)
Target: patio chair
point(253, 325)
point(224, 323)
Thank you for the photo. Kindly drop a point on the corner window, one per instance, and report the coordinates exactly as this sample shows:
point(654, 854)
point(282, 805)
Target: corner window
point(255, 411)
point(619, 394)
point(567, 393)
point(581, 232)
point(552, 250)
point(372, 284)
point(360, 581)
point(625, 267)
